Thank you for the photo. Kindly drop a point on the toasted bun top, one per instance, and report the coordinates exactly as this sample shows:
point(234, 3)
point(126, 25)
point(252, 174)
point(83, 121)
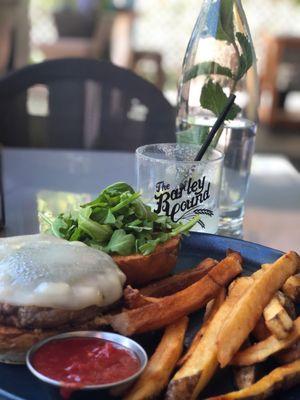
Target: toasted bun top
point(45, 271)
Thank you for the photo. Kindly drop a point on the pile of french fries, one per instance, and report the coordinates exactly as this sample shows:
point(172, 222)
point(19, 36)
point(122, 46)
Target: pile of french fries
point(248, 319)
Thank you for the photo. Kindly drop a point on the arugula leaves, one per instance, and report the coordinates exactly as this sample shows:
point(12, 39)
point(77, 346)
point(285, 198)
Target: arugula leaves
point(213, 98)
point(117, 222)
point(121, 243)
point(96, 231)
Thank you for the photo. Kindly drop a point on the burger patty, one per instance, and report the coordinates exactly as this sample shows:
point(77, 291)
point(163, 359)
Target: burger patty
point(32, 317)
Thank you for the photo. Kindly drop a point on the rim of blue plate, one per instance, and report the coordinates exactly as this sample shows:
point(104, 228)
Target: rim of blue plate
point(212, 235)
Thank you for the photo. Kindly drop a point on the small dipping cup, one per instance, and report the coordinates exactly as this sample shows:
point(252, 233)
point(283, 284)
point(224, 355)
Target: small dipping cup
point(57, 387)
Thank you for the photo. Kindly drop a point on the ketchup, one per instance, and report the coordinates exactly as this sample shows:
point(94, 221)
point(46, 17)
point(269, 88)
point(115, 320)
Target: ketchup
point(82, 361)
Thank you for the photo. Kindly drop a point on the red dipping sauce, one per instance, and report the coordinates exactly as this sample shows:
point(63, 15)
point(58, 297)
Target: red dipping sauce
point(85, 361)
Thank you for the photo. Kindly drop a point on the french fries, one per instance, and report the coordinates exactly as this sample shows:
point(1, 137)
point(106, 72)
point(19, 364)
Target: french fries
point(261, 332)
point(157, 373)
point(254, 305)
point(247, 311)
point(277, 319)
point(134, 299)
point(292, 288)
point(175, 283)
point(261, 351)
point(202, 363)
point(287, 303)
point(212, 307)
point(244, 376)
point(289, 355)
point(215, 304)
point(280, 378)
point(157, 315)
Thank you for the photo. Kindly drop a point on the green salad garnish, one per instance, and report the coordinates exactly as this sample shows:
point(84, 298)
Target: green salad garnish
point(117, 222)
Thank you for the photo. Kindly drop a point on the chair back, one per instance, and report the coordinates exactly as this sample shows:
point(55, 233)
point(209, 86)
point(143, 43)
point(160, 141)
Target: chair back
point(82, 103)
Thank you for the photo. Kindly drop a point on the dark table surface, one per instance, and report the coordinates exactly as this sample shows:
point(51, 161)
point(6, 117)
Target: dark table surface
point(33, 180)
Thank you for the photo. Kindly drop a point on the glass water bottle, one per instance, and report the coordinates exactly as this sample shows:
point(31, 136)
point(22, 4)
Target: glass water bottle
point(220, 60)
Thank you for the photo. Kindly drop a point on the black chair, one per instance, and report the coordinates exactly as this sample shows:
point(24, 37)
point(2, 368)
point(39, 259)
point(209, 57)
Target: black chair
point(82, 103)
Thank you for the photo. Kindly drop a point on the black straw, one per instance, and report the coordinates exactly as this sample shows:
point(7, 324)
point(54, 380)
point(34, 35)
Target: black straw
point(219, 122)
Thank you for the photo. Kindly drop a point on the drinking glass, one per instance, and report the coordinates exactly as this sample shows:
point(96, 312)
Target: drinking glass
point(173, 184)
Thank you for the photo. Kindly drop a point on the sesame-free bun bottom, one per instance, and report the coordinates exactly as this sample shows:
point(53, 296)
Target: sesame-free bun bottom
point(141, 270)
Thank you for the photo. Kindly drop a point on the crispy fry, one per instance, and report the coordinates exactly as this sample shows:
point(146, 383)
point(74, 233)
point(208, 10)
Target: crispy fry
point(261, 331)
point(175, 283)
point(199, 368)
point(237, 254)
point(212, 307)
point(157, 373)
point(246, 312)
point(208, 309)
point(134, 299)
point(280, 378)
point(261, 351)
point(289, 355)
point(292, 288)
point(244, 376)
point(168, 309)
point(277, 319)
point(287, 303)
point(215, 304)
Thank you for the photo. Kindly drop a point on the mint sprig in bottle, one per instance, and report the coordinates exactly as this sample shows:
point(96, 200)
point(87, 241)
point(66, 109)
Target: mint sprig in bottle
point(220, 60)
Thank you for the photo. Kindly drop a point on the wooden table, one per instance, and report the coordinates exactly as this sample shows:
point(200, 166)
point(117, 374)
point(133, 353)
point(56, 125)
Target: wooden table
point(34, 178)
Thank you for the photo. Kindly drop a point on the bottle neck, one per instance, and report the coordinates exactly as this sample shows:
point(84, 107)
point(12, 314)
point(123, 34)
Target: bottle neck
point(219, 60)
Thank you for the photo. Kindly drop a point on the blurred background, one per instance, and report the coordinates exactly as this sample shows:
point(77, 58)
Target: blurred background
point(150, 38)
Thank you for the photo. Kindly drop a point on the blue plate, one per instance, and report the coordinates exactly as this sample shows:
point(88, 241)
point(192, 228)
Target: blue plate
point(17, 383)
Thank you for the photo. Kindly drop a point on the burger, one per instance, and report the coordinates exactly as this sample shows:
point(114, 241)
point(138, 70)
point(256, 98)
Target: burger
point(48, 286)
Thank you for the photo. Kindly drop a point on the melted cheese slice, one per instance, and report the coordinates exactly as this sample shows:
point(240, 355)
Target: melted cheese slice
point(45, 271)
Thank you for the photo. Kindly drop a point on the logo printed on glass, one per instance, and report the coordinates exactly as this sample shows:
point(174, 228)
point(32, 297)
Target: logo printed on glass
point(184, 201)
